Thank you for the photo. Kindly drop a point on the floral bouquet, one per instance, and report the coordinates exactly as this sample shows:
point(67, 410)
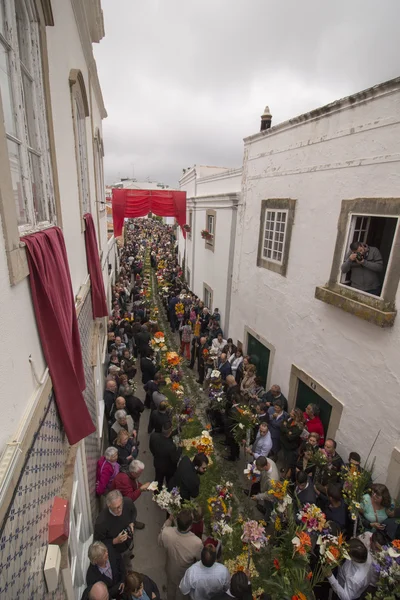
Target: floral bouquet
point(187, 228)
point(173, 359)
point(387, 565)
point(132, 385)
point(159, 335)
point(252, 473)
point(217, 508)
point(202, 443)
point(356, 483)
point(254, 534)
point(221, 528)
point(301, 543)
point(180, 310)
point(245, 419)
point(224, 491)
point(206, 353)
point(240, 563)
point(312, 517)
point(206, 235)
point(332, 549)
point(217, 399)
point(169, 501)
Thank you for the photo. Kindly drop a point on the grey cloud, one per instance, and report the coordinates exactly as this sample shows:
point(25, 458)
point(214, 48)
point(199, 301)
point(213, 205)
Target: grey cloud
point(185, 81)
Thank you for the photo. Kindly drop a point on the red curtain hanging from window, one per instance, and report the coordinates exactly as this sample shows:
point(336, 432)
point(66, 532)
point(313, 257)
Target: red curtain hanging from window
point(99, 302)
point(54, 305)
point(127, 204)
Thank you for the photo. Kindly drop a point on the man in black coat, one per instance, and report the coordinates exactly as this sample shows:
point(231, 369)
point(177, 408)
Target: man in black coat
point(147, 366)
point(117, 566)
point(110, 394)
point(115, 523)
point(187, 476)
point(230, 422)
point(200, 359)
point(166, 454)
point(150, 387)
point(134, 407)
point(143, 338)
point(158, 418)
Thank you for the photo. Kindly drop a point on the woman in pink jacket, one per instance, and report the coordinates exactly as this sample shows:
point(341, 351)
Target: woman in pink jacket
point(107, 470)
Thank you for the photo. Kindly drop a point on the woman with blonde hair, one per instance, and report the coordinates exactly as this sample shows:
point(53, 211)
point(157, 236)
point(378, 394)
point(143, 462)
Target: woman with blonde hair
point(248, 384)
point(125, 445)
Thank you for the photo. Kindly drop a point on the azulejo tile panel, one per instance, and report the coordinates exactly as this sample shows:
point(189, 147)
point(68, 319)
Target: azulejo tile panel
point(24, 536)
point(92, 450)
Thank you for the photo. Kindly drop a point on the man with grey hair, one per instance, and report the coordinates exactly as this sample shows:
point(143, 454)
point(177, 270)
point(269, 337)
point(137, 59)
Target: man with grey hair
point(129, 485)
point(115, 523)
point(106, 566)
point(122, 421)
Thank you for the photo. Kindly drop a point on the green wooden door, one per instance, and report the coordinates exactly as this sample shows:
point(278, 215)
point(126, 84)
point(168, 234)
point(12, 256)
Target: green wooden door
point(259, 356)
point(306, 396)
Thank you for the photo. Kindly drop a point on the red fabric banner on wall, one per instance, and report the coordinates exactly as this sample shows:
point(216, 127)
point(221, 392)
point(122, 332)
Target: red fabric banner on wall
point(99, 302)
point(54, 305)
point(127, 204)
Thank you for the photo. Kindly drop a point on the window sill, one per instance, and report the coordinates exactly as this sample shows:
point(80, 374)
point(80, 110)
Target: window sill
point(17, 264)
point(209, 245)
point(376, 311)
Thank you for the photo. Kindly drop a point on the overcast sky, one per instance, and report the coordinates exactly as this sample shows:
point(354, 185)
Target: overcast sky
point(184, 81)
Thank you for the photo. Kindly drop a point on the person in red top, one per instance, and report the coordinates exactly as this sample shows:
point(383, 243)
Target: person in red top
point(129, 485)
point(314, 423)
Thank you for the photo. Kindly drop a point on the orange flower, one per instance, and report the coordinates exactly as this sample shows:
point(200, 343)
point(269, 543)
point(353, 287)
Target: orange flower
point(334, 551)
point(396, 544)
point(159, 334)
point(309, 575)
point(299, 596)
point(175, 386)
point(276, 564)
point(208, 426)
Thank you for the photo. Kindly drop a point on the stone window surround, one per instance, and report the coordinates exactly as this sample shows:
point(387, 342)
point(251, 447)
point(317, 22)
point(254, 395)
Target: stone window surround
point(296, 375)
point(289, 205)
point(210, 291)
point(378, 310)
point(210, 244)
point(15, 249)
point(79, 97)
point(265, 343)
point(393, 474)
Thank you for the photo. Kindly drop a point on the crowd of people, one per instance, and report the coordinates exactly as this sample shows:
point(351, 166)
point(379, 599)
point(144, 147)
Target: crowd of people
point(284, 444)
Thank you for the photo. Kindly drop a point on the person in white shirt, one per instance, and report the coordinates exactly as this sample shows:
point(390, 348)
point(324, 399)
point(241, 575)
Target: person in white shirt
point(373, 543)
point(219, 343)
point(354, 575)
point(268, 472)
point(236, 360)
point(263, 442)
point(205, 578)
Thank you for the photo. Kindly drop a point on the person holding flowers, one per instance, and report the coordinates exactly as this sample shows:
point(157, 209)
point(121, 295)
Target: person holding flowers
point(354, 575)
point(291, 430)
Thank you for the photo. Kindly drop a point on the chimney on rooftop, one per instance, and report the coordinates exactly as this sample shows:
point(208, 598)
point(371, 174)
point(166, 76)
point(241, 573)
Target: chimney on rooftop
point(266, 119)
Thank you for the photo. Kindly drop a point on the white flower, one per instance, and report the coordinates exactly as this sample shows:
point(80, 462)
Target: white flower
point(241, 425)
point(393, 553)
point(296, 541)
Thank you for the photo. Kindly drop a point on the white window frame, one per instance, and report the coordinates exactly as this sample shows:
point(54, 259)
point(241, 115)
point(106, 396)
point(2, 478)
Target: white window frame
point(274, 234)
point(38, 122)
point(208, 296)
point(211, 224)
point(99, 173)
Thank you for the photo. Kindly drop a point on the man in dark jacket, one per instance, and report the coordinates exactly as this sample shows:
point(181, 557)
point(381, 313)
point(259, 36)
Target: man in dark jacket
point(166, 454)
point(275, 394)
point(147, 366)
point(115, 523)
point(153, 385)
point(187, 476)
point(364, 263)
point(143, 338)
point(200, 358)
point(110, 394)
point(230, 422)
point(224, 367)
point(158, 418)
point(304, 490)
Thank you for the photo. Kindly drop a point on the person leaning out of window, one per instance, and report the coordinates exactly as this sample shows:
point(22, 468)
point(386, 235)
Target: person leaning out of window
point(365, 265)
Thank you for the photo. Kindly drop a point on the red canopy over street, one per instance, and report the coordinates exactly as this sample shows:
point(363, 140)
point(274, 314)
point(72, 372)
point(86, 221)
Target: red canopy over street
point(127, 204)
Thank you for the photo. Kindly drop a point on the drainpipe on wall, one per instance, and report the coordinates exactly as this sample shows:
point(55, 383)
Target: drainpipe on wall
point(235, 202)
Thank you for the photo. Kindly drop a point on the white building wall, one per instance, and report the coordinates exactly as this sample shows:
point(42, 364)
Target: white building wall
point(218, 189)
point(350, 153)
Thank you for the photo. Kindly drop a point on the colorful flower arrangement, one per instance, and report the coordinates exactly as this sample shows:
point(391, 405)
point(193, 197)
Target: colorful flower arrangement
point(173, 359)
point(187, 228)
point(254, 534)
point(180, 310)
point(355, 485)
point(387, 565)
point(169, 501)
point(332, 549)
point(251, 472)
point(241, 563)
point(312, 517)
point(202, 443)
point(279, 491)
point(301, 543)
point(245, 422)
